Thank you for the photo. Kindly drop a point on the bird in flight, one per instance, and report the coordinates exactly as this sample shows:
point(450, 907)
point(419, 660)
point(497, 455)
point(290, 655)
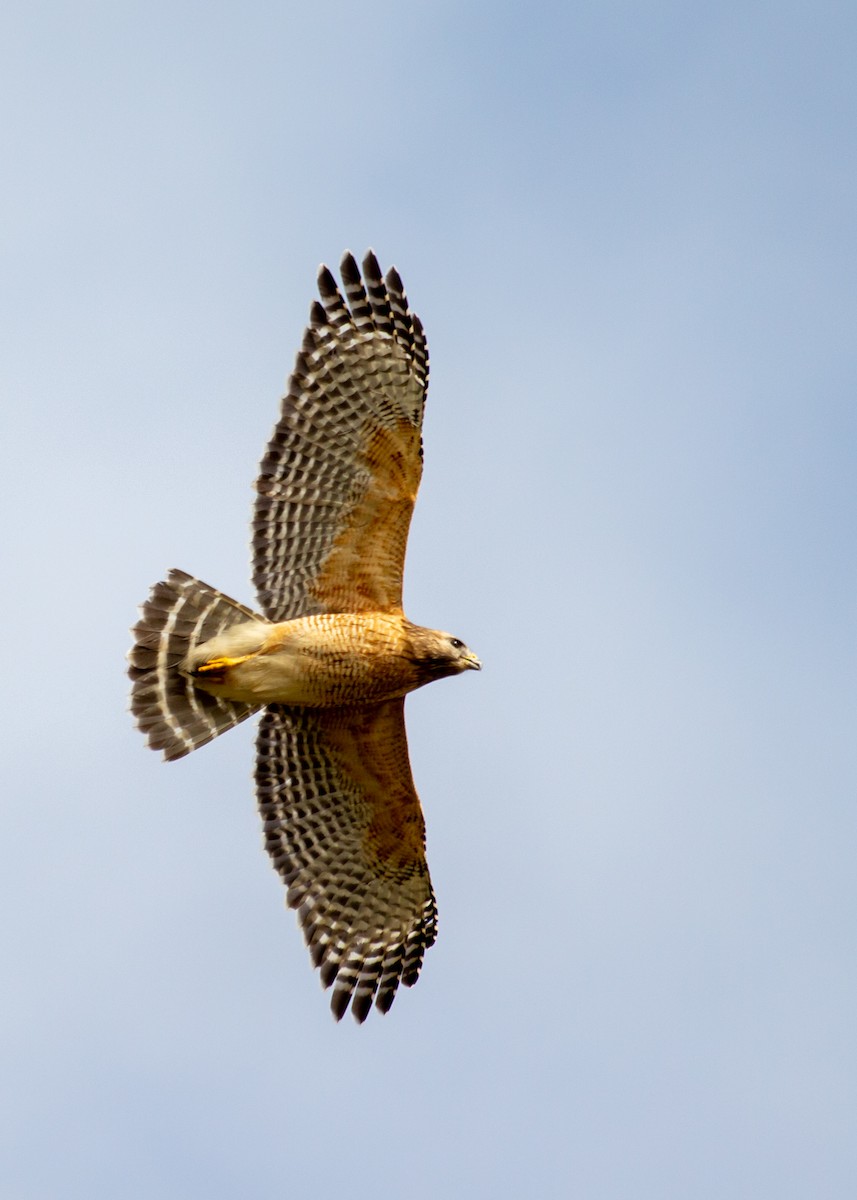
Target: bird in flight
point(330, 656)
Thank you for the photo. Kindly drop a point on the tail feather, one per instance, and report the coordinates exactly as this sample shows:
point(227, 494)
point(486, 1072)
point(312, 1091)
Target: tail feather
point(180, 613)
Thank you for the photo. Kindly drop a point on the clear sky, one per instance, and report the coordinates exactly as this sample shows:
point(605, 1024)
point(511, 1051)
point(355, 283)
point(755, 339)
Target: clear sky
point(630, 232)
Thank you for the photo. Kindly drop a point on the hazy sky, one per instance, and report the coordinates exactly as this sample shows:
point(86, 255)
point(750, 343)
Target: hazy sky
point(629, 230)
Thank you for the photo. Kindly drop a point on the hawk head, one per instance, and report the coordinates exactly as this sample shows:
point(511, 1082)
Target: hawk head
point(437, 654)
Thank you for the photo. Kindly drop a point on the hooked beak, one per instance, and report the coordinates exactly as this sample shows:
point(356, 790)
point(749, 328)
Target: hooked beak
point(472, 662)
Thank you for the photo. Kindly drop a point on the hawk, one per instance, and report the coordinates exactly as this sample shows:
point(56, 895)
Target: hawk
point(331, 656)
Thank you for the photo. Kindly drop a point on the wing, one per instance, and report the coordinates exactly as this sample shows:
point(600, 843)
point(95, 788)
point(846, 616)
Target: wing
point(345, 830)
point(336, 487)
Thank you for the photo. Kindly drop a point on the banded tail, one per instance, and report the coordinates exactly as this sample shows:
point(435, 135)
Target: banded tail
point(180, 613)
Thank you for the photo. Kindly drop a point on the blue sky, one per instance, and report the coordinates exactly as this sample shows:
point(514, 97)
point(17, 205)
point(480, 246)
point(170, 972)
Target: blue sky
point(629, 231)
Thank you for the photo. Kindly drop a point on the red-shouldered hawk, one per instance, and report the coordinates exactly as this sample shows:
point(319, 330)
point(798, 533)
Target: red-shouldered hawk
point(331, 656)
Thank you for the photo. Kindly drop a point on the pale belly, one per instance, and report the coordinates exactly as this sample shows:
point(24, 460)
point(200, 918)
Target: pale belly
point(321, 661)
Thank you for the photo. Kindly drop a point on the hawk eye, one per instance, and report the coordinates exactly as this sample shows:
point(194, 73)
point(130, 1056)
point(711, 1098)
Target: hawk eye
point(456, 644)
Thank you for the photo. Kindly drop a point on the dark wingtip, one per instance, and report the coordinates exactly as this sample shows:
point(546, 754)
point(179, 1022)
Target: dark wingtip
point(384, 1002)
point(360, 1006)
point(339, 1003)
point(394, 282)
point(349, 269)
point(317, 315)
point(328, 971)
point(326, 283)
point(371, 269)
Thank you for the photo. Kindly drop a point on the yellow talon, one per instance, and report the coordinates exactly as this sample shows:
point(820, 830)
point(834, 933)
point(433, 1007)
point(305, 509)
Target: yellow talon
point(219, 665)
